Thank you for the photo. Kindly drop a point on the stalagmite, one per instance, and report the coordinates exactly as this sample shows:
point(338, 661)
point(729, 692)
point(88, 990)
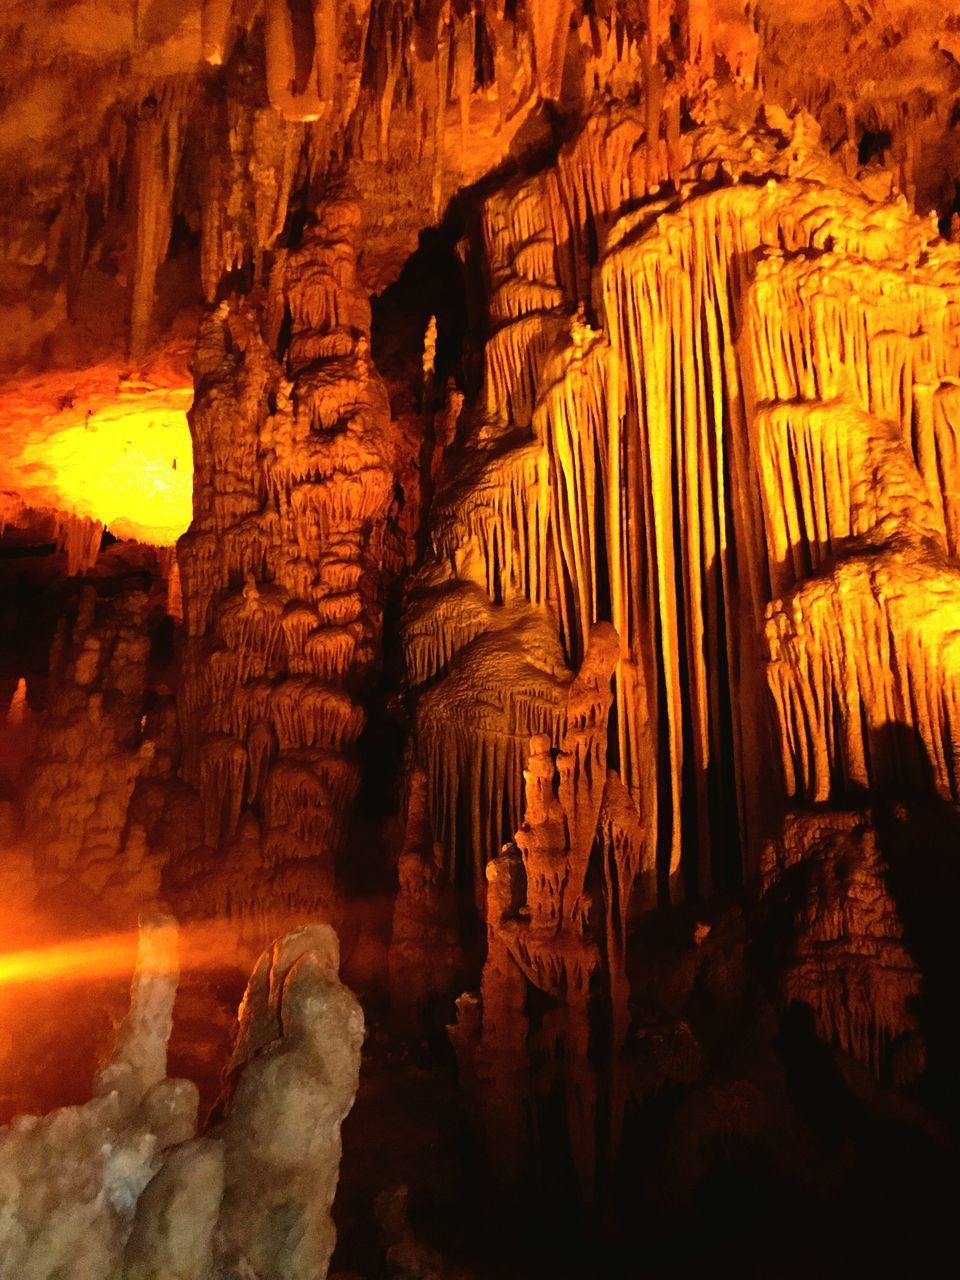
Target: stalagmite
point(490, 1033)
point(543, 920)
point(122, 1186)
point(73, 1178)
point(281, 1139)
point(424, 948)
point(269, 722)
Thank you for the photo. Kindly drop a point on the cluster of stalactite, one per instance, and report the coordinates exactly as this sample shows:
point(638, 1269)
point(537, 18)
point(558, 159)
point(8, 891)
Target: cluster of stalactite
point(861, 642)
point(558, 902)
point(648, 467)
point(234, 126)
point(865, 78)
point(281, 90)
point(720, 415)
point(281, 568)
point(473, 729)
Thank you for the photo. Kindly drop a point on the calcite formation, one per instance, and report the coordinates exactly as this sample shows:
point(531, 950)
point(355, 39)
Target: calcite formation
point(737, 478)
point(89, 753)
point(552, 926)
point(495, 467)
point(425, 954)
point(72, 1179)
point(848, 962)
point(123, 1186)
point(280, 569)
point(667, 436)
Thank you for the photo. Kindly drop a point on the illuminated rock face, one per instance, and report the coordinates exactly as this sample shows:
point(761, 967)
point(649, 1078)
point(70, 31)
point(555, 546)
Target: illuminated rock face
point(122, 1187)
point(281, 574)
point(743, 463)
point(763, 391)
point(104, 454)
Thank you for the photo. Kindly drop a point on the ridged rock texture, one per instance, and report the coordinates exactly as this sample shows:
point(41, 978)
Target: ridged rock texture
point(281, 574)
point(742, 462)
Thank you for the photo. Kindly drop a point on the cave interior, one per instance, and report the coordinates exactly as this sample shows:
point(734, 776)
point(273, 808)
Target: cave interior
point(479, 560)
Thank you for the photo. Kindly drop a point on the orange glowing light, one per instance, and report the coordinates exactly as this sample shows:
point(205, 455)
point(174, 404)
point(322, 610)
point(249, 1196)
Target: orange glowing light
point(208, 945)
point(106, 957)
point(119, 454)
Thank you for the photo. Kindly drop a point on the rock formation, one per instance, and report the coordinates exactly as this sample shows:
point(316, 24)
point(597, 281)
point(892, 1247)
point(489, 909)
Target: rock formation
point(425, 954)
point(483, 475)
point(72, 1179)
point(280, 569)
point(122, 1186)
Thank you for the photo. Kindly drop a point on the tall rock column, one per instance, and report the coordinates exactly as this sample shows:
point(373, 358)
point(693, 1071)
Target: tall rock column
point(281, 578)
point(556, 909)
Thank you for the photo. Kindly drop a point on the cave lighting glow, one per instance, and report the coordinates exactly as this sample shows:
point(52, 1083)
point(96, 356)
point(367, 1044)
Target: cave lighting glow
point(126, 463)
point(203, 946)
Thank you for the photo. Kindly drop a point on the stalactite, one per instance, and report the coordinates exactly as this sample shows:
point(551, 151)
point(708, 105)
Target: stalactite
point(850, 655)
point(463, 42)
point(474, 753)
point(700, 27)
point(653, 88)
point(440, 621)
point(502, 34)
point(571, 420)
point(298, 95)
point(830, 474)
point(245, 187)
point(80, 537)
point(513, 358)
point(503, 509)
point(664, 447)
point(223, 770)
point(157, 149)
point(938, 422)
point(387, 36)
point(442, 74)
point(216, 19)
point(549, 23)
point(679, 472)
